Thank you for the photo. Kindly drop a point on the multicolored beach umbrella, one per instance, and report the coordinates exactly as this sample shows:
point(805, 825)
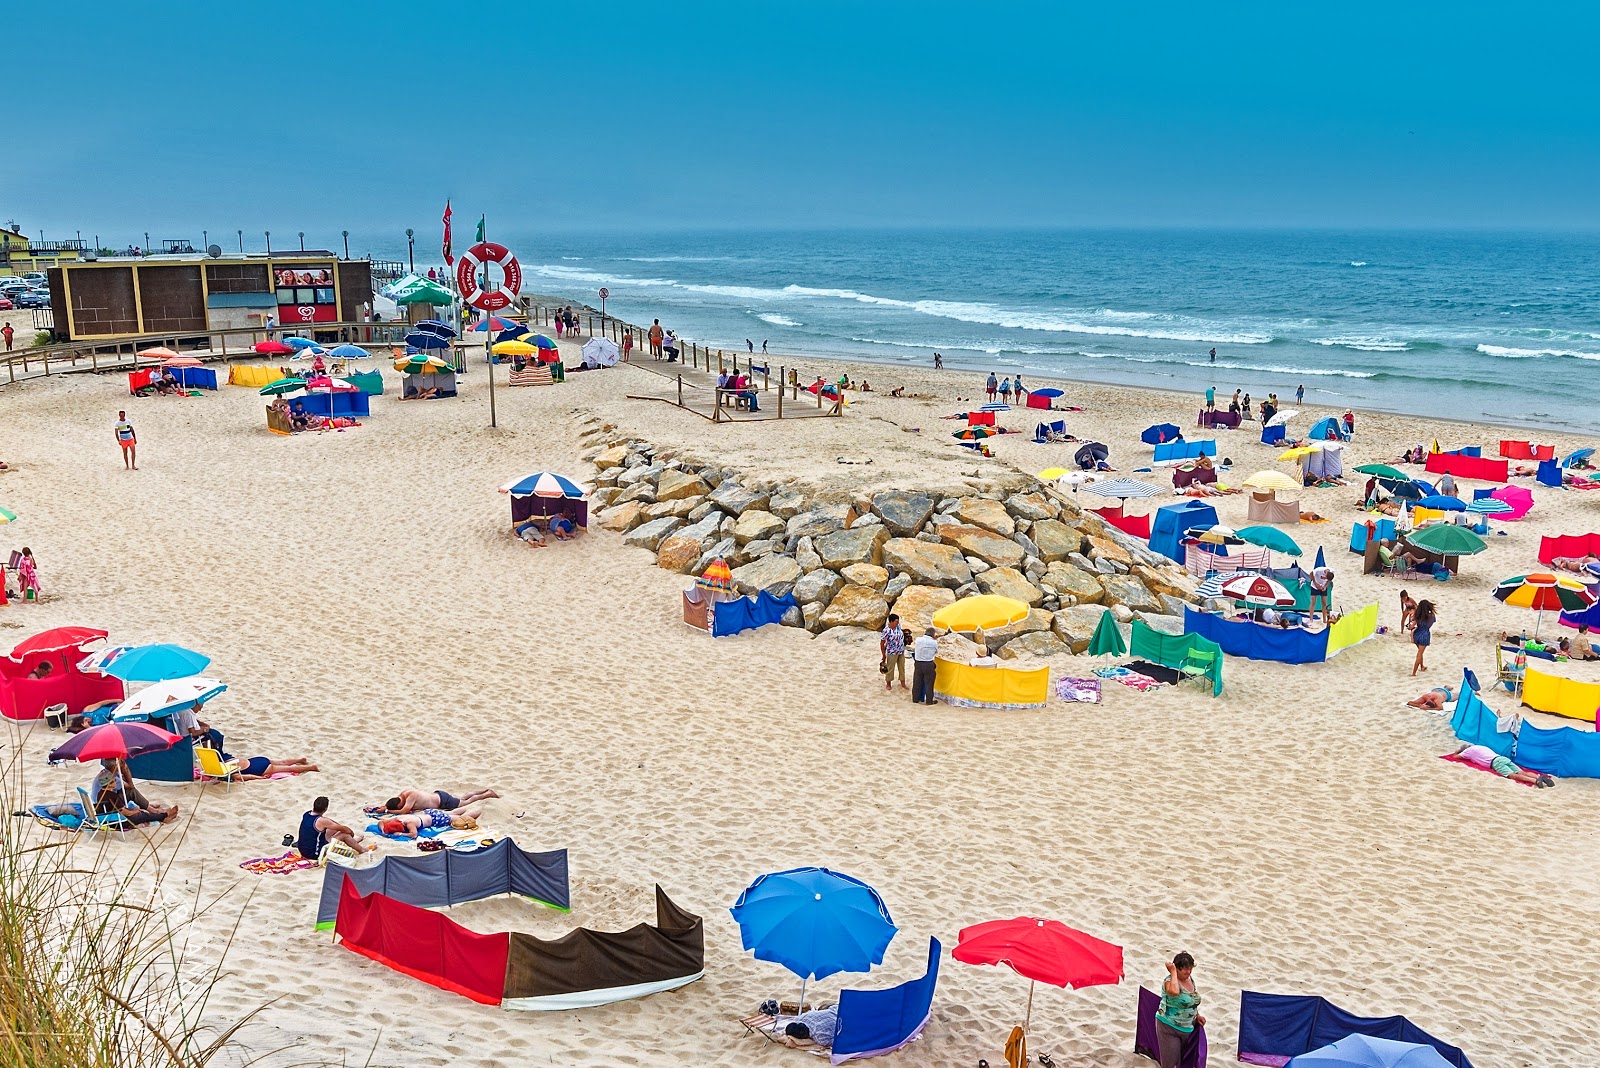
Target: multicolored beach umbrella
point(420, 363)
point(544, 484)
point(350, 352)
point(1543, 592)
point(718, 576)
point(973, 433)
point(495, 322)
point(1489, 506)
point(545, 343)
point(7, 516)
point(434, 326)
point(110, 741)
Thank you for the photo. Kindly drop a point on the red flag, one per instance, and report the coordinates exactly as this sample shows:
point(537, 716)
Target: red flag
point(449, 257)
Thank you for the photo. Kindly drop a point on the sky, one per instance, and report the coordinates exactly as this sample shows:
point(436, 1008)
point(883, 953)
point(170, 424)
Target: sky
point(650, 115)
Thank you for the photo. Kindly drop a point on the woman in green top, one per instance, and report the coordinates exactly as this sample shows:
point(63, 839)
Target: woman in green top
point(1179, 1014)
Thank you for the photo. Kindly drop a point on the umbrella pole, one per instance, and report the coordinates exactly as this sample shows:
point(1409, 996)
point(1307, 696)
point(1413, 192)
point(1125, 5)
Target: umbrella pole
point(1028, 1016)
point(802, 1002)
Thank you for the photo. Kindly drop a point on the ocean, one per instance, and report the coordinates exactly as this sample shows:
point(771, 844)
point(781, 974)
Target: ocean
point(1483, 326)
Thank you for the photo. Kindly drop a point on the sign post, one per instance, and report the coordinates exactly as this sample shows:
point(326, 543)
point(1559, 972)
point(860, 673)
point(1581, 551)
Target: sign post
point(604, 294)
point(479, 295)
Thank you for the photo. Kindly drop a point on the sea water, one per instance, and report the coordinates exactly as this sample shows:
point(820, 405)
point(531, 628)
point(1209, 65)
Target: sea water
point(1502, 327)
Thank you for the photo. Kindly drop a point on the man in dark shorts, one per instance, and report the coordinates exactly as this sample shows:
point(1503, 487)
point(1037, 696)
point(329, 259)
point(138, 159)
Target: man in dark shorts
point(417, 800)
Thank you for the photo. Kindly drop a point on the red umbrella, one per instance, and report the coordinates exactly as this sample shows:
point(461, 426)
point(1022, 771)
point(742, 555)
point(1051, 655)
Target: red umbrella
point(112, 740)
point(1045, 951)
point(1258, 590)
point(57, 641)
point(273, 348)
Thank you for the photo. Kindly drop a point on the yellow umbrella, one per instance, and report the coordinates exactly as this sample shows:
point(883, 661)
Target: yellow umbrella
point(514, 348)
point(1050, 474)
point(985, 611)
point(1296, 452)
point(1271, 480)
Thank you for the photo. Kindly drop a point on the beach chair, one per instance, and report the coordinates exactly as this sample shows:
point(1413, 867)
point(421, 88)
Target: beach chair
point(210, 767)
point(94, 821)
point(771, 1029)
point(1197, 664)
point(1509, 668)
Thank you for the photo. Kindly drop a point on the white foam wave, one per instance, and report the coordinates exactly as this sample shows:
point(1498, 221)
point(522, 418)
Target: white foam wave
point(1358, 263)
point(579, 274)
point(1533, 354)
point(778, 320)
point(1364, 344)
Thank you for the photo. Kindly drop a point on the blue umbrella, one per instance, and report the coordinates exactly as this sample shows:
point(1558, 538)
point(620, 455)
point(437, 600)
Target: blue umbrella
point(515, 332)
point(1406, 491)
point(995, 406)
point(1364, 1051)
point(543, 484)
point(815, 922)
point(422, 339)
point(1442, 504)
point(157, 663)
point(435, 326)
point(1049, 391)
point(351, 352)
point(497, 323)
point(1577, 454)
point(1155, 435)
point(1321, 560)
point(1489, 506)
point(300, 343)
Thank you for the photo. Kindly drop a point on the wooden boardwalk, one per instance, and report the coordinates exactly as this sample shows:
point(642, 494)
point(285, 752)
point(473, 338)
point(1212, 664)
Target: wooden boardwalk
point(696, 391)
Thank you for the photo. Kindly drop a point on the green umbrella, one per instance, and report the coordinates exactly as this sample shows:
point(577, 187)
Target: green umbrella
point(424, 292)
point(1384, 471)
point(1107, 640)
point(1447, 539)
point(1269, 538)
point(283, 385)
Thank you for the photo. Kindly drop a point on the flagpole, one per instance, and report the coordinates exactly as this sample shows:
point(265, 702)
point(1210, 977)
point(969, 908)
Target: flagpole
point(487, 354)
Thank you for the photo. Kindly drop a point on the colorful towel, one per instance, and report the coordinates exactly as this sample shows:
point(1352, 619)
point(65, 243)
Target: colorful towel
point(426, 832)
point(1131, 679)
point(1455, 759)
point(281, 865)
point(1085, 691)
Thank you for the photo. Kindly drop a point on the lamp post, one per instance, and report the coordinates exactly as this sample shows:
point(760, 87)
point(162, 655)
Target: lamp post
point(302, 240)
point(241, 242)
point(269, 241)
point(346, 235)
point(147, 242)
point(205, 240)
point(411, 249)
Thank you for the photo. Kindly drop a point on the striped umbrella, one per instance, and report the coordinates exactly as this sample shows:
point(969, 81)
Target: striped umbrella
point(1211, 587)
point(7, 516)
point(995, 406)
point(1543, 591)
point(1124, 488)
point(1214, 535)
point(1489, 506)
point(543, 484)
point(975, 433)
point(421, 363)
point(165, 697)
point(513, 348)
point(717, 576)
point(495, 322)
point(545, 343)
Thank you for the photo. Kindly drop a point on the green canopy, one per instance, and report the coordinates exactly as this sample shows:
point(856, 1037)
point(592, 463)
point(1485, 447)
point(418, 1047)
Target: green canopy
point(1270, 538)
point(283, 385)
point(1107, 640)
point(423, 291)
point(1447, 539)
point(1384, 471)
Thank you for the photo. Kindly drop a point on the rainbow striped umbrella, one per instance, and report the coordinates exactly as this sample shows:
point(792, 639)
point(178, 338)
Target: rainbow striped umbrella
point(718, 576)
point(1543, 592)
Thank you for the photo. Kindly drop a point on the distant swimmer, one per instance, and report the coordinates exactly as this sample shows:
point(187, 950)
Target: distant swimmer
point(751, 345)
point(1213, 355)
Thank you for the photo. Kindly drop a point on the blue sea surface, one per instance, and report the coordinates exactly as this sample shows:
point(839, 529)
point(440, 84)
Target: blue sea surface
point(1502, 327)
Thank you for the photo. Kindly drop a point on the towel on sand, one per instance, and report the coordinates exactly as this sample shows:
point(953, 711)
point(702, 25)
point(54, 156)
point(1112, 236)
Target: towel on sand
point(281, 865)
point(1086, 691)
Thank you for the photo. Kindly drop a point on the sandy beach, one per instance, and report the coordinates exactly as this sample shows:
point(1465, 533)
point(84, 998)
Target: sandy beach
point(361, 594)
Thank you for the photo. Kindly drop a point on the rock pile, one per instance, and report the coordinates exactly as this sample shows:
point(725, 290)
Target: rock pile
point(851, 559)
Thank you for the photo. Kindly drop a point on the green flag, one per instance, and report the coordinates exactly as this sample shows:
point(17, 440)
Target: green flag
point(481, 219)
point(1107, 638)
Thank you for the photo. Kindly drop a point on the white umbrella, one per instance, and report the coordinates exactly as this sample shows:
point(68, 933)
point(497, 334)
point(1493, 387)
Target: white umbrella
point(162, 697)
point(1123, 487)
point(1283, 417)
point(1258, 590)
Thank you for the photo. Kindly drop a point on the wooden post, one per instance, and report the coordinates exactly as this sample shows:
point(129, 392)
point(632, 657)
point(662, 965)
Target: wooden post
point(780, 392)
point(766, 377)
point(680, 391)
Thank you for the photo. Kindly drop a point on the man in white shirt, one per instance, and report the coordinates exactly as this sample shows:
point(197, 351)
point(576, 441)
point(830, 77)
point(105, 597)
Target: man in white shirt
point(923, 652)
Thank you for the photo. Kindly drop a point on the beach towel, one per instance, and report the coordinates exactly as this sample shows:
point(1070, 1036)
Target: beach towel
point(1129, 678)
point(1084, 691)
point(279, 865)
point(1454, 759)
point(426, 832)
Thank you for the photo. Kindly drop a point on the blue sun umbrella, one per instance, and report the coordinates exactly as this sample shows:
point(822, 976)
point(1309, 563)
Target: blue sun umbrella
point(995, 406)
point(157, 663)
point(1442, 504)
point(540, 341)
point(515, 333)
point(434, 326)
point(1405, 491)
point(1365, 1051)
point(1489, 506)
point(1159, 433)
point(422, 339)
point(1576, 456)
point(543, 484)
point(350, 352)
point(1048, 391)
point(815, 922)
point(301, 343)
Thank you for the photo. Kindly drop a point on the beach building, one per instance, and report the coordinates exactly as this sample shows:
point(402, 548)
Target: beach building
point(178, 292)
point(20, 255)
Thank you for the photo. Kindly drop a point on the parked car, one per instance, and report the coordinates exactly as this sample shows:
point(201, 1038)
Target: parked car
point(33, 298)
point(10, 285)
point(36, 278)
point(6, 305)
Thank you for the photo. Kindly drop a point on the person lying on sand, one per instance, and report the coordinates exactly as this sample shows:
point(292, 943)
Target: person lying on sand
point(1574, 563)
point(1484, 757)
point(412, 825)
point(260, 767)
point(528, 530)
point(416, 800)
point(422, 394)
point(562, 527)
point(1434, 700)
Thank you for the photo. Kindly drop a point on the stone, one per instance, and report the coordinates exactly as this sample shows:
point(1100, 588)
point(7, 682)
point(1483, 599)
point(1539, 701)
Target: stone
point(736, 499)
point(1028, 547)
point(928, 564)
point(1172, 606)
point(793, 617)
point(623, 517)
point(984, 544)
point(982, 512)
point(865, 575)
point(1040, 643)
point(818, 585)
point(775, 574)
point(650, 535)
point(1031, 506)
point(760, 547)
point(859, 545)
point(754, 525)
point(895, 586)
point(942, 520)
point(1076, 625)
point(720, 551)
point(641, 491)
point(811, 613)
point(615, 456)
point(1104, 567)
point(676, 485)
point(701, 510)
point(949, 505)
point(855, 606)
point(903, 513)
point(915, 605)
point(785, 503)
point(1073, 582)
point(679, 554)
point(1008, 582)
point(929, 537)
point(1106, 549)
point(607, 478)
point(705, 531)
point(866, 519)
point(969, 589)
point(1164, 623)
point(680, 508)
point(805, 554)
point(1055, 540)
point(977, 565)
point(1121, 613)
point(1080, 561)
point(601, 496)
point(644, 473)
point(823, 519)
point(1161, 581)
point(1130, 593)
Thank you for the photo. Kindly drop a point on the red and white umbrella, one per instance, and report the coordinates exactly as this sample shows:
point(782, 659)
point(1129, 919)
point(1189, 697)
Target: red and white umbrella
point(1258, 590)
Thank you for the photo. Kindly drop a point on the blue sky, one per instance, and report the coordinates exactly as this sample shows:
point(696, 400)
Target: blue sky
point(884, 113)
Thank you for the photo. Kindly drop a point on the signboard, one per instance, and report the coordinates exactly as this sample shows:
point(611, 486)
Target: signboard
point(305, 293)
point(468, 283)
point(605, 294)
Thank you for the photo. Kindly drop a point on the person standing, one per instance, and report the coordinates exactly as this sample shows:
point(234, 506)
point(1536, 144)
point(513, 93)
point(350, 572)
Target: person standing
point(1422, 632)
point(656, 334)
point(1211, 398)
point(1300, 394)
point(992, 386)
point(129, 442)
point(1322, 590)
point(1022, 393)
point(6, 332)
point(938, 362)
point(892, 646)
point(1005, 391)
point(763, 346)
point(923, 653)
point(1213, 355)
point(1178, 1017)
point(627, 345)
point(750, 345)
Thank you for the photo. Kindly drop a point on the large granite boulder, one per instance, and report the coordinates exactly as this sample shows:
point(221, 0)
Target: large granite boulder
point(928, 563)
point(615, 456)
point(675, 485)
point(1076, 625)
point(623, 517)
point(775, 574)
point(639, 491)
point(903, 513)
point(855, 606)
point(642, 473)
point(680, 508)
point(679, 554)
point(982, 512)
point(819, 585)
point(1130, 593)
point(736, 499)
point(858, 545)
point(1106, 549)
point(820, 520)
point(865, 575)
point(985, 544)
point(650, 535)
point(1056, 540)
point(1031, 506)
point(785, 503)
point(1039, 643)
point(1073, 582)
point(916, 605)
point(756, 525)
point(1008, 582)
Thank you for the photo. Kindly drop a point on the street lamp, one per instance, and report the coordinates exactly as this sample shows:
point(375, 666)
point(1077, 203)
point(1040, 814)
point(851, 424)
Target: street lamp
point(302, 240)
point(269, 241)
point(411, 249)
point(205, 240)
point(147, 242)
point(346, 235)
point(241, 242)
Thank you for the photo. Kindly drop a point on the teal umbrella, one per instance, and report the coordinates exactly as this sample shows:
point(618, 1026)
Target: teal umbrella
point(1447, 539)
point(1107, 640)
point(1269, 538)
point(423, 291)
point(283, 385)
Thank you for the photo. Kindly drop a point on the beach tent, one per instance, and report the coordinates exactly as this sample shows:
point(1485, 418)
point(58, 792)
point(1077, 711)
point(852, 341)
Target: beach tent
point(243, 374)
point(600, 352)
point(450, 877)
point(1166, 530)
point(1273, 434)
point(1172, 650)
point(582, 969)
point(990, 687)
point(547, 493)
point(874, 1022)
point(1324, 463)
point(1327, 429)
point(1275, 1027)
point(23, 698)
point(441, 380)
point(1057, 427)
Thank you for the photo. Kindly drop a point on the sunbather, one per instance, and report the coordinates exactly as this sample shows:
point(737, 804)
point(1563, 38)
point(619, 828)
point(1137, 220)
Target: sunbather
point(260, 767)
point(1505, 767)
point(562, 527)
point(413, 824)
point(1581, 648)
point(1574, 563)
point(1435, 699)
point(417, 800)
point(528, 530)
point(113, 792)
point(317, 829)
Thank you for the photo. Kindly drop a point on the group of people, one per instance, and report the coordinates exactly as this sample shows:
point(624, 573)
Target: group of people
point(1005, 388)
point(163, 383)
point(295, 414)
point(534, 529)
point(739, 389)
point(662, 342)
point(406, 815)
point(892, 650)
point(566, 323)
